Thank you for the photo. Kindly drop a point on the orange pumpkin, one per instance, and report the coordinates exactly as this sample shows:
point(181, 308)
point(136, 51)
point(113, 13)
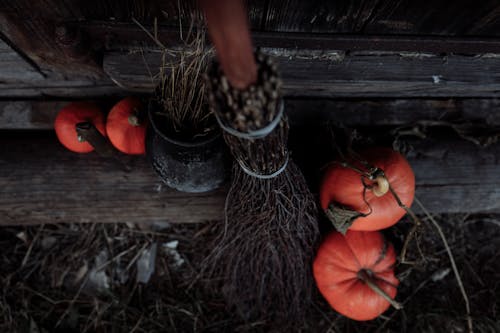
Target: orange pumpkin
point(369, 194)
point(355, 274)
point(125, 127)
point(72, 114)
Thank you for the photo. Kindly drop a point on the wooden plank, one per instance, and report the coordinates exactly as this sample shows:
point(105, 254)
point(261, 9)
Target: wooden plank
point(439, 17)
point(40, 115)
point(337, 74)
point(40, 182)
point(28, 115)
point(48, 43)
point(456, 176)
point(392, 112)
point(44, 183)
point(61, 89)
point(13, 68)
point(116, 36)
point(318, 15)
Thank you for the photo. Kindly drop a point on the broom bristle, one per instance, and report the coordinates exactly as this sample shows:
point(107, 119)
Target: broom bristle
point(263, 255)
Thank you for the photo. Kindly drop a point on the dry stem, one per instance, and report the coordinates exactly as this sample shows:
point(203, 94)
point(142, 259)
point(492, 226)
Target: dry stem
point(181, 90)
point(453, 264)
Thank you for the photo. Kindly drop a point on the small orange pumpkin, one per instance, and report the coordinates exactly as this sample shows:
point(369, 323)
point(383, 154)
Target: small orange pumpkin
point(126, 130)
point(70, 116)
point(369, 195)
point(355, 274)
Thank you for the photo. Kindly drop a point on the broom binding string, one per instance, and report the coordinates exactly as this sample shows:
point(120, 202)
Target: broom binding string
point(252, 173)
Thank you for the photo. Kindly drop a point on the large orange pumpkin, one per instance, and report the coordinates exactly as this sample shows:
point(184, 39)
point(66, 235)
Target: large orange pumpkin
point(353, 271)
point(369, 195)
point(70, 116)
point(126, 128)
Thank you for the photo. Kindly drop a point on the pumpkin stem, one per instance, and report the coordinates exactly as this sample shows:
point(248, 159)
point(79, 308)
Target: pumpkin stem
point(366, 277)
point(133, 120)
point(380, 186)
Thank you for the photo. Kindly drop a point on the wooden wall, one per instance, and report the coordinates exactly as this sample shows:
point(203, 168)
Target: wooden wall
point(423, 68)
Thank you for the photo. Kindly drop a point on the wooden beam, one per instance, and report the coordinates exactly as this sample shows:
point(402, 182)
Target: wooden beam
point(115, 35)
point(27, 115)
point(311, 73)
point(61, 89)
point(350, 112)
point(14, 68)
point(40, 182)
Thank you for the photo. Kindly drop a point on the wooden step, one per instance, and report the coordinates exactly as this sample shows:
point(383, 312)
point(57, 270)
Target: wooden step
point(41, 182)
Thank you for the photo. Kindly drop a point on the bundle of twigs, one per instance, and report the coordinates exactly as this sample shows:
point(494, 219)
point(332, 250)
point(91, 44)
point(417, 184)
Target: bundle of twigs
point(180, 94)
point(264, 253)
point(181, 91)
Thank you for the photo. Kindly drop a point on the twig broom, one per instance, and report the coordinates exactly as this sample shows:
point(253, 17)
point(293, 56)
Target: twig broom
point(263, 256)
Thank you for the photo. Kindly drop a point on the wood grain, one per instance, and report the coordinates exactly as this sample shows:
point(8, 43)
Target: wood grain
point(39, 115)
point(392, 112)
point(43, 183)
point(440, 17)
point(26, 115)
point(40, 182)
point(61, 89)
point(337, 74)
point(13, 68)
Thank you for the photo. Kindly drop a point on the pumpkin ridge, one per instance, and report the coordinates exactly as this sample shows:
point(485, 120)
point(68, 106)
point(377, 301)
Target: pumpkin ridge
point(353, 254)
point(377, 279)
point(382, 254)
point(337, 266)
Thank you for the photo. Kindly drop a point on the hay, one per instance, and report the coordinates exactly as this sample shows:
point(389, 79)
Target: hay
point(180, 93)
point(432, 302)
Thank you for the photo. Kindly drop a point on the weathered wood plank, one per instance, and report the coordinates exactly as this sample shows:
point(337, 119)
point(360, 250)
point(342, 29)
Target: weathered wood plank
point(40, 182)
point(439, 17)
point(392, 112)
point(28, 115)
point(43, 183)
point(118, 36)
point(456, 177)
point(318, 15)
point(337, 74)
point(350, 112)
point(14, 68)
point(61, 89)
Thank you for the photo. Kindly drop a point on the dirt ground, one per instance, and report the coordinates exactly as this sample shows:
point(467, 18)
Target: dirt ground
point(84, 278)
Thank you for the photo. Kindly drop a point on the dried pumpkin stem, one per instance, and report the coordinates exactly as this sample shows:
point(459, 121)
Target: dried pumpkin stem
point(380, 186)
point(368, 280)
point(89, 133)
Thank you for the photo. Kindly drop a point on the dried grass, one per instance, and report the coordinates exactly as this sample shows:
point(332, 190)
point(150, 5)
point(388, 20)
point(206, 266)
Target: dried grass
point(32, 295)
point(181, 89)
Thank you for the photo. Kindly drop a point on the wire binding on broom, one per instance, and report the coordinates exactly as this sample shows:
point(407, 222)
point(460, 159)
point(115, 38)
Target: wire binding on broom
point(252, 173)
point(256, 134)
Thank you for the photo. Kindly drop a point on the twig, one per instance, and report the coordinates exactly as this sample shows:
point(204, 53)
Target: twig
point(30, 248)
point(160, 44)
point(453, 264)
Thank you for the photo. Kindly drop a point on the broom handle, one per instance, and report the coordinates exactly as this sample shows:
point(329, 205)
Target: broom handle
point(228, 28)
